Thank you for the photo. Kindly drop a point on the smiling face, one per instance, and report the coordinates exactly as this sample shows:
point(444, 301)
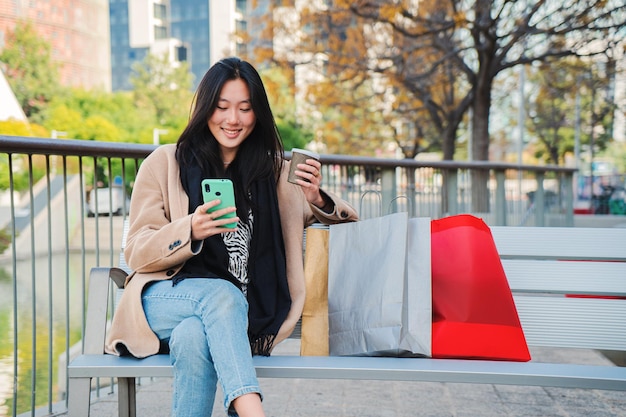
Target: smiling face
point(233, 119)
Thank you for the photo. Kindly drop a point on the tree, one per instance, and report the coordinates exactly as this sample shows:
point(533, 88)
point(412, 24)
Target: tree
point(163, 87)
point(339, 108)
point(550, 110)
point(571, 95)
point(29, 69)
point(281, 97)
point(68, 113)
point(291, 135)
point(444, 55)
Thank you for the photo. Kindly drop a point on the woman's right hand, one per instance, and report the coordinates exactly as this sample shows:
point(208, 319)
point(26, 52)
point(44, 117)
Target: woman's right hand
point(205, 224)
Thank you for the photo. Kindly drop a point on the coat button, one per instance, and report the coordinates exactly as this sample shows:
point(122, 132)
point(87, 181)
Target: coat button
point(174, 244)
point(170, 272)
point(344, 214)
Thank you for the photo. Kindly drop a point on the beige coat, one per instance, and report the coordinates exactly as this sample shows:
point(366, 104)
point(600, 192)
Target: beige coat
point(159, 242)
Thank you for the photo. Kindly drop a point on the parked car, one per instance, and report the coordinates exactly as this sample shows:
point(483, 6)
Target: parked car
point(110, 201)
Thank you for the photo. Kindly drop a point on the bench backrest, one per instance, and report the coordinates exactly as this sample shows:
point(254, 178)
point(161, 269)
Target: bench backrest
point(569, 284)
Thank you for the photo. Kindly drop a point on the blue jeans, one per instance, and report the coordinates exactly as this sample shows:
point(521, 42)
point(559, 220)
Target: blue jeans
point(205, 321)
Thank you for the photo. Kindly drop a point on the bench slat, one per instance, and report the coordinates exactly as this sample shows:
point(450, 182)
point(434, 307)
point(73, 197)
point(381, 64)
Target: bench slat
point(378, 368)
point(109, 366)
point(566, 277)
point(442, 370)
point(560, 242)
point(573, 322)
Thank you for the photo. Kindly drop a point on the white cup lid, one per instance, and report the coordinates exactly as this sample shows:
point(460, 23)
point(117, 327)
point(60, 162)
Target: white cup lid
point(306, 152)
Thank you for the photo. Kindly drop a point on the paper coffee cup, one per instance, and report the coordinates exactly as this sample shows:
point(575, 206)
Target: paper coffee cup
point(299, 156)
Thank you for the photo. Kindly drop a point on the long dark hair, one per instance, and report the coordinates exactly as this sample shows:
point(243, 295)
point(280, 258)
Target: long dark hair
point(258, 157)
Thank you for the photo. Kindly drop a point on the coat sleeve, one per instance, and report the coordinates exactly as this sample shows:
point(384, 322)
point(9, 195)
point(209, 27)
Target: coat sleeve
point(342, 211)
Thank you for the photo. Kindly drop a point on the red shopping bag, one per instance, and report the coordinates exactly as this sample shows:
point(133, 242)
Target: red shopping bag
point(474, 315)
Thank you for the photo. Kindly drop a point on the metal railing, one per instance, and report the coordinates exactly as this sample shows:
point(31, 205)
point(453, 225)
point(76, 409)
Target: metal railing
point(57, 230)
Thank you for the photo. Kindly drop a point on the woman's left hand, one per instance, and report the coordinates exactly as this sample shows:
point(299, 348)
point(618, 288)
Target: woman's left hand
point(311, 174)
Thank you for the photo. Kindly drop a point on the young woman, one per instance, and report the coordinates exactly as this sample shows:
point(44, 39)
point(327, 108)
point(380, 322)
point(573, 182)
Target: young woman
point(213, 295)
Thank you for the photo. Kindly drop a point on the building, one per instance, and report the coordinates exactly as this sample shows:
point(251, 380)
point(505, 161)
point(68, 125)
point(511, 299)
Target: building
point(96, 42)
point(199, 32)
point(77, 30)
point(10, 108)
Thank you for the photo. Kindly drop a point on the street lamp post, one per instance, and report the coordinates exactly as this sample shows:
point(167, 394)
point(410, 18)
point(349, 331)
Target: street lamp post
point(156, 133)
point(55, 134)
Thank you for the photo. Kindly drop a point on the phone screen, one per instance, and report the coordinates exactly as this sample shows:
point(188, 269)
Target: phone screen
point(222, 189)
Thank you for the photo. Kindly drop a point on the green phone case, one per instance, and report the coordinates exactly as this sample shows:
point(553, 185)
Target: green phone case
point(222, 189)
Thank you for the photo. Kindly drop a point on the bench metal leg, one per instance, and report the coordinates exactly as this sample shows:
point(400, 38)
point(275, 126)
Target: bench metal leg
point(127, 405)
point(79, 397)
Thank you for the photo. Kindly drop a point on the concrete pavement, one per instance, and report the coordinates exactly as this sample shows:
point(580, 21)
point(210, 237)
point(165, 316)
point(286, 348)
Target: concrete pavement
point(340, 398)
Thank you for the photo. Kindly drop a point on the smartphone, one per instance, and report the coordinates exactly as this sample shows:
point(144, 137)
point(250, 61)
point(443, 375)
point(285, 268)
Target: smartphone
point(222, 189)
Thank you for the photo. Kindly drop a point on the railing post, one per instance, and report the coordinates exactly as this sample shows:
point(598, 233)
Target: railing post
point(539, 201)
point(452, 187)
point(388, 190)
point(568, 189)
point(500, 198)
point(410, 191)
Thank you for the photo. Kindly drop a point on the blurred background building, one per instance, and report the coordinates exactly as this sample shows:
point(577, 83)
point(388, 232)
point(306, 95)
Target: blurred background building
point(199, 32)
point(77, 30)
point(96, 42)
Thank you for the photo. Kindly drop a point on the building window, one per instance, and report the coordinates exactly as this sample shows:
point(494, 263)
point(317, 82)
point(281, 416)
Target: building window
point(242, 49)
point(160, 32)
point(241, 6)
point(181, 53)
point(160, 12)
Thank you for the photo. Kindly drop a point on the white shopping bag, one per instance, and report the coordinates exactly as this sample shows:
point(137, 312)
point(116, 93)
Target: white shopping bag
point(379, 287)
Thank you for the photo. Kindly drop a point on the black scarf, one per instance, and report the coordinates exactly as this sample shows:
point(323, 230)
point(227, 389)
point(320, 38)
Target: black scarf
point(268, 291)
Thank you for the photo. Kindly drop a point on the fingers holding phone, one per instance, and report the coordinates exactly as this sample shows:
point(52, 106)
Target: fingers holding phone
point(207, 221)
point(218, 214)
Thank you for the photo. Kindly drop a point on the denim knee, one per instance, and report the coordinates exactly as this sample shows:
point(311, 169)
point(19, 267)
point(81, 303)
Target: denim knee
point(231, 304)
point(188, 340)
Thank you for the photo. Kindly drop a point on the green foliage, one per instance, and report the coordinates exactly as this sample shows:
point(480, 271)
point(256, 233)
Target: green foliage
point(76, 126)
point(565, 88)
point(99, 128)
point(4, 172)
point(25, 361)
point(161, 99)
point(14, 128)
point(616, 152)
point(81, 114)
point(29, 69)
point(20, 177)
point(5, 241)
point(163, 89)
point(63, 118)
point(279, 88)
point(292, 136)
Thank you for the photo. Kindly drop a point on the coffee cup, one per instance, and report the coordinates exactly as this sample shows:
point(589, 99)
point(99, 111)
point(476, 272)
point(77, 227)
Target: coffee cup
point(299, 156)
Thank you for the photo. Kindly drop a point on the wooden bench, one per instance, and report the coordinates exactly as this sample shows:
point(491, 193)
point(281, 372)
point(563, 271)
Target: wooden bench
point(569, 286)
